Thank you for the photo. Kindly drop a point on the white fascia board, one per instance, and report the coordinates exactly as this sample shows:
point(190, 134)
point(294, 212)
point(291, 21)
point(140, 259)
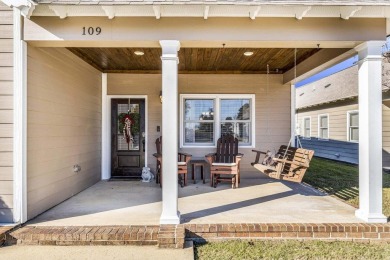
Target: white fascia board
point(212, 10)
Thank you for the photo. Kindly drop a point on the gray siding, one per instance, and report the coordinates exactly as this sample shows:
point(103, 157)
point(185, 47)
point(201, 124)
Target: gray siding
point(64, 127)
point(6, 114)
point(333, 149)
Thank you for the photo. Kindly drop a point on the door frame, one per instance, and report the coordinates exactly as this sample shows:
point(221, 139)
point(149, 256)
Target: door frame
point(106, 128)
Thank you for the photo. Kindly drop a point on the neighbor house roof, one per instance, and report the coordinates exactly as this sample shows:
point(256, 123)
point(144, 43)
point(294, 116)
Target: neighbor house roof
point(339, 86)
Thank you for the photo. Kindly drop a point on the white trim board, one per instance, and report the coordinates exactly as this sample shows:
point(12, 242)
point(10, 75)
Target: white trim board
point(106, 127)
point(20, 121)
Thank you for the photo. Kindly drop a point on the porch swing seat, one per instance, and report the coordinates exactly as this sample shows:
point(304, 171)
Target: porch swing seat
point(291, 167)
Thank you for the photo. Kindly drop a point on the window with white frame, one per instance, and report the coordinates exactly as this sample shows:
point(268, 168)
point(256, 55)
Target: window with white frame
point(353, 126)
point(207, 117)
point(306, 127)
point(199, 121)
point(323, 126)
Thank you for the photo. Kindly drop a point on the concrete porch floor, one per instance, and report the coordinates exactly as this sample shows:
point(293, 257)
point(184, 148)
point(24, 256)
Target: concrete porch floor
point(257, 200)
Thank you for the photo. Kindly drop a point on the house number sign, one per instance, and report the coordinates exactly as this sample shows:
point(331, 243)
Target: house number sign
point(91, 30)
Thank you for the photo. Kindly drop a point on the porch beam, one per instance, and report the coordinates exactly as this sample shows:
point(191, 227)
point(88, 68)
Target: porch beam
point(321, 60)
point(370, 132)
point(170, 213)
point(259, 33)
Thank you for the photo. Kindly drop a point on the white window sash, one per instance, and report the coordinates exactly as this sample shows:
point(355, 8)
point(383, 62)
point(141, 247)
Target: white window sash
point(306, 128)
point(351, 127)
point(217, 121)
point(321, 127)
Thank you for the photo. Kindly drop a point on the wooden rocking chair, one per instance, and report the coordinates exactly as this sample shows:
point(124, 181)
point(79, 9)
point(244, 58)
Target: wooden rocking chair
point(182, 164)
point(289, 163)
point(225, 162)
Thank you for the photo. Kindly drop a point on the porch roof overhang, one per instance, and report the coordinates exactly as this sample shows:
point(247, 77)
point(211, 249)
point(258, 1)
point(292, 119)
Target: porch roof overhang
point(207, 9)
point(204, 9)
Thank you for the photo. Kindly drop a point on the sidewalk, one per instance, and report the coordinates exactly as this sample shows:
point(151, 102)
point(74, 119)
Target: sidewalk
point(95, 252)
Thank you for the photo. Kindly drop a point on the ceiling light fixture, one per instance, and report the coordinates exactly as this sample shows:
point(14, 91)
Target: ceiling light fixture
point(139, 53)
point(248, 53)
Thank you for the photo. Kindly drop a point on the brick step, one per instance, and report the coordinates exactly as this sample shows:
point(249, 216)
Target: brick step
point(164, 236)
point(334, 231)
point(173, 236)
point(4, 231)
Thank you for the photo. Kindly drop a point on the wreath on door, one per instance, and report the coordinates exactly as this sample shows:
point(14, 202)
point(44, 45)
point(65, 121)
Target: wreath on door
point(128, 124)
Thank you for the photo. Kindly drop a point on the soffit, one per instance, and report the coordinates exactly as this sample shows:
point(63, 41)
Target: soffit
point(230, 2)
point(194, 60)
point(209, 9)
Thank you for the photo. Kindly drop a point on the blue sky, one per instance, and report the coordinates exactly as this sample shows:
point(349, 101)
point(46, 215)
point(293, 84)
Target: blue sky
point(338, 67)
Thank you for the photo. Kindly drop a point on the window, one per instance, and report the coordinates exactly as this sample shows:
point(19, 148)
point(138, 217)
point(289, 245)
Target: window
point(353, 126)
point(199, 121)
point(235, 118)
point(323, 127)
point(306, 127)
point(204, 118)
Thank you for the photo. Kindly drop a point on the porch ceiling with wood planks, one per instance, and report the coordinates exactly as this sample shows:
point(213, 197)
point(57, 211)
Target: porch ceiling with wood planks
point(195, 60)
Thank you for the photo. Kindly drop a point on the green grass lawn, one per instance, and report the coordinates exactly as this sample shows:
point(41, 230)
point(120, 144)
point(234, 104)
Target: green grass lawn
point(291, 249)
point(342, 181)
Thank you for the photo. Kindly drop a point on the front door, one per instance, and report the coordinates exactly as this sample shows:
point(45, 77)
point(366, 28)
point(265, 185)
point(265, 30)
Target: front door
point(128, 138)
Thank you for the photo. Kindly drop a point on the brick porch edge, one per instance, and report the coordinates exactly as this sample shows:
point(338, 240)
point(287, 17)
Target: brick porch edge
point(332, 231)
point(174, 236)
point(171, 236)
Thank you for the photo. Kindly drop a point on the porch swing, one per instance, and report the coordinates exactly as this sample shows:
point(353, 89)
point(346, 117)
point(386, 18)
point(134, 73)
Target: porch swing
point(288, 163)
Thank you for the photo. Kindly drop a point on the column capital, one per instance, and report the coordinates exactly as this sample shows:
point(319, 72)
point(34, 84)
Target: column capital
point(370, 49)
point(169, 48)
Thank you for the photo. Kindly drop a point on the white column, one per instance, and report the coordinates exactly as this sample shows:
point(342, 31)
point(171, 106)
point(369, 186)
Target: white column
point(293, 125)
point(106, 131)
point(370, 132)
point(170, 213)
point(20, 121)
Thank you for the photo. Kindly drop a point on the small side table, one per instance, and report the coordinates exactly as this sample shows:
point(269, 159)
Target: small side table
point(198, 162)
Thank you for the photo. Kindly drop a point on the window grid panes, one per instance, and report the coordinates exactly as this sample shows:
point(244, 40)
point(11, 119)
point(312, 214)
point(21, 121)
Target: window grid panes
point(306, 127)
point(323, 127)
point(354, 127)
point(199, 121)
point(235, 118)
point(206, 119)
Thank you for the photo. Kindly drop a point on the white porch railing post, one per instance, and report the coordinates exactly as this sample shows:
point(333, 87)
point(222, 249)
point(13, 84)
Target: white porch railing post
point(370, 132)
point(170, 213)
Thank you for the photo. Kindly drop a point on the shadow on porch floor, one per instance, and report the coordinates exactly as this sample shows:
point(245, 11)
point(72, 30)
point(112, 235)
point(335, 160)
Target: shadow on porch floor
point(257, 200)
